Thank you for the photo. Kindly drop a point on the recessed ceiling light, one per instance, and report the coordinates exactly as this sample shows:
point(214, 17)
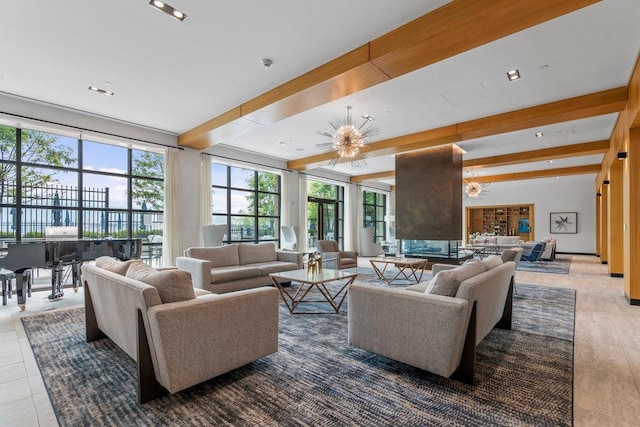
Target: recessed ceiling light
point(557, 177)
point(539, 134)
point(169, 10)
point(282, 143)
point(102, 91)
point(513, 75)
point(367, 117)
point(552, 161)
point(266, 62)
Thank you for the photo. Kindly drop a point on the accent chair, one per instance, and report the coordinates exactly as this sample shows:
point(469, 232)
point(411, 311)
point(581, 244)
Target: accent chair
point(367, 246)
point(329, 249)
point(289, 237)
point(212, 235)
point(536, 253)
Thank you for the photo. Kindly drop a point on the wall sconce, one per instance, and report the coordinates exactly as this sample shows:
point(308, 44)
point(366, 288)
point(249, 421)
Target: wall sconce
point(606, 182)
point(622, 155)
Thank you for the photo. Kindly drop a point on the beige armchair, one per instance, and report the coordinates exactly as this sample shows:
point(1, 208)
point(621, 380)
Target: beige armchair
point(367, 246)
point(329, 249)
point(443, 341)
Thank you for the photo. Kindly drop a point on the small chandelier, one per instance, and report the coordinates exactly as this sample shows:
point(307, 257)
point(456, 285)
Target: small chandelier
point(473, 189)
point(347, 139)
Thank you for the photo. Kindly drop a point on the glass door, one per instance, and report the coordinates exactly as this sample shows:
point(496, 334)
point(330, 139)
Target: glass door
point(322, 221)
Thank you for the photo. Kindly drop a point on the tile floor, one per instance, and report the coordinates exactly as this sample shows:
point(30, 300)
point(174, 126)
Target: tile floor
point(606, 368)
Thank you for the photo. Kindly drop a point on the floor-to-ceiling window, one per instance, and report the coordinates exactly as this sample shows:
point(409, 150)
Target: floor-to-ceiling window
point(247, 201)
point(325, 212)
point(374, 208)
point(96, 189)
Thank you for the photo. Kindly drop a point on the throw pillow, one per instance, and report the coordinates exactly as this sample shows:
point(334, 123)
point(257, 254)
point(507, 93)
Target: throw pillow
point(172, 285)
point(447, 282)
point(492, 261)
point(115, 265)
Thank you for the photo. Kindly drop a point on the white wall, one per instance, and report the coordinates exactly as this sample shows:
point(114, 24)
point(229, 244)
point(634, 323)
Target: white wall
point(566, 194)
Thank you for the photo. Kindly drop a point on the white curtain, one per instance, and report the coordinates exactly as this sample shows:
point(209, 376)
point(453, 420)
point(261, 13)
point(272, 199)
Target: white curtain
point(171, 231)
point(205, 191)
point(304, 237)
point(350, 217)
point(285, 193)
point(360, 215)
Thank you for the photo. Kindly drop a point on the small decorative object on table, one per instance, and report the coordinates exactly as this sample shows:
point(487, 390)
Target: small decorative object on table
point(312, 265)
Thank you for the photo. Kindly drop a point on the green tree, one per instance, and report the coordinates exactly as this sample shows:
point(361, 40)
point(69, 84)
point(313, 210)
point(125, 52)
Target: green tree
point(267, 182)
point(37, 147)
point(148, 164)
point(264, 204)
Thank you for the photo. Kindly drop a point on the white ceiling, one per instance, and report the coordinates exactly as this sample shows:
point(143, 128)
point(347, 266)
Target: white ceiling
point(174, 76)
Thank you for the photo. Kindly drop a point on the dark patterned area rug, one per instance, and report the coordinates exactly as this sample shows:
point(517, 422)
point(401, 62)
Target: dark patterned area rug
point(556, 266)
point(524, 377)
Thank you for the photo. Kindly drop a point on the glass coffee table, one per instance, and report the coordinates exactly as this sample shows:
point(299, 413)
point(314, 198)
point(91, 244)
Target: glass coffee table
point(410, 269)
point(302, 282)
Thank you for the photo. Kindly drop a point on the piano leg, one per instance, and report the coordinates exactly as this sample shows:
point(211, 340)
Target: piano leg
point(4, 289)
point(29, 274)
point(76, 275)
point(56, 281)
point(20, 291)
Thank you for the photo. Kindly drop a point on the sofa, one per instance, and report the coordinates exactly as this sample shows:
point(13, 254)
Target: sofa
point(178, 336)
point(502, 241)
point(436, 325)
point(235, 267)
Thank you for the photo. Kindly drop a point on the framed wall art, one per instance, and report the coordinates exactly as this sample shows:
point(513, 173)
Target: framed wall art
point(563, 222)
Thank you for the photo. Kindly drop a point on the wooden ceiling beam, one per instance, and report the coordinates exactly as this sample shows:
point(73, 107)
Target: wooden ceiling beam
point(374, 176)
point(546, 173)
point(431, 38)
point(581, 107)
point(563, 152)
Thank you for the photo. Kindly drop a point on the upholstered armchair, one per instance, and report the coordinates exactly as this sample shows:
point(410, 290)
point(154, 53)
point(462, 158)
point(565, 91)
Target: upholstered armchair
point(329, 249)
point(549, 249)
point(367, 246)
point(212, 235)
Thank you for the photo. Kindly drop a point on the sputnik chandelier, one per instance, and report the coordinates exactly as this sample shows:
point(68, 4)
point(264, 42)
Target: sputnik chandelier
point(347, 139)
point(473, 189)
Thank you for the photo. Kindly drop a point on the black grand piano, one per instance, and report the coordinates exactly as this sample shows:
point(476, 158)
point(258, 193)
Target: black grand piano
point(58, 254)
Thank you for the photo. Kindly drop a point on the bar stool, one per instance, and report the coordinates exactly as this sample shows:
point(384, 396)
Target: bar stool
point(6, 276)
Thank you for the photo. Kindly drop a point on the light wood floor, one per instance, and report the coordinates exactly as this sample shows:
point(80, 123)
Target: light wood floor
point(606, 358)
